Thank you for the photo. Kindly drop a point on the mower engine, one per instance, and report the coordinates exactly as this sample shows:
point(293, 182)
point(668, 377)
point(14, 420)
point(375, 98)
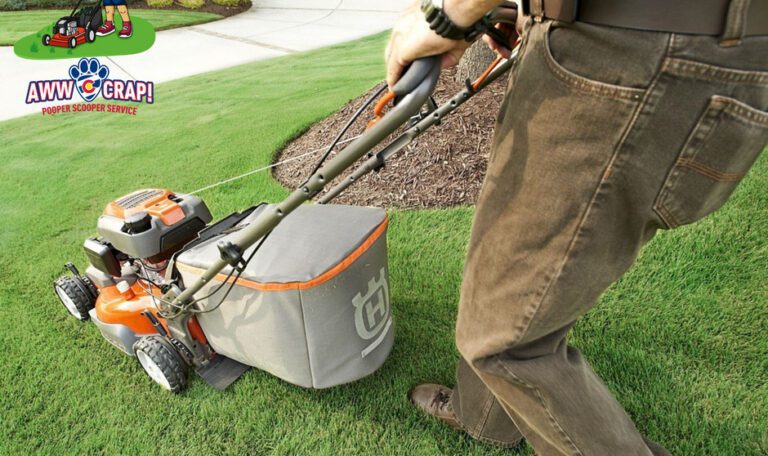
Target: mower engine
point(152, 224)
point(66, 26)
point(139, 233)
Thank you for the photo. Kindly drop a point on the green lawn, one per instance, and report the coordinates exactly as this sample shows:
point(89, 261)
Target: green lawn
point(15, 25)
point(681, 339)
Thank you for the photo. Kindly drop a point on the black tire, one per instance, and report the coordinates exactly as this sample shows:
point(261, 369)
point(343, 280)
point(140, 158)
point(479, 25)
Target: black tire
point(91, 287)
point(46, 40)
point(72, 43)
point(162, 363)
point(73, 294)
point(90, 35)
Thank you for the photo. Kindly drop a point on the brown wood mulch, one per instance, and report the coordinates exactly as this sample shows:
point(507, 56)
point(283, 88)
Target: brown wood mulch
point(442, 168)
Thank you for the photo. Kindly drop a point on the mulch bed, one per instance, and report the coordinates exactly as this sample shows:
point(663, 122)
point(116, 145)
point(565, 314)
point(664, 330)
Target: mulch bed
point(442, 168)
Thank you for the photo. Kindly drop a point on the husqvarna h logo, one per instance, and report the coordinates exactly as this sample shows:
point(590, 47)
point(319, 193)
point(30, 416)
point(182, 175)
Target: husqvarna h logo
point(372, 316)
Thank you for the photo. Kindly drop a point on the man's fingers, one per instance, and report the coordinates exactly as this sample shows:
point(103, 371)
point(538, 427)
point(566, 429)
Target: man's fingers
point(497, 47)
point(448, 60)
point(394, 71)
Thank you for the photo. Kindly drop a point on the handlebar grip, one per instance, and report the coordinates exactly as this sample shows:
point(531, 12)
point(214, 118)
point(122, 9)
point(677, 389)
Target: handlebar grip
point(505, 13)
point(416, 73)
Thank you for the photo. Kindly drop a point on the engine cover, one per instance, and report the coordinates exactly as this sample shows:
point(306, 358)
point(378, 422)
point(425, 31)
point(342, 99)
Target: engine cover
point(153, 224)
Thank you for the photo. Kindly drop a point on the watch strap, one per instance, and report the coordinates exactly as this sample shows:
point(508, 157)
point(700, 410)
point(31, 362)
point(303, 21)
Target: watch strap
point(441, 24)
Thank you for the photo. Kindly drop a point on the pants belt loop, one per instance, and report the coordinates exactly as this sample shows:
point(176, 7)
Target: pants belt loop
point(735, 23)
point(537, 9)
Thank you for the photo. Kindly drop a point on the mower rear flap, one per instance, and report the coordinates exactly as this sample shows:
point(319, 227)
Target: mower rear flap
point(221, 372)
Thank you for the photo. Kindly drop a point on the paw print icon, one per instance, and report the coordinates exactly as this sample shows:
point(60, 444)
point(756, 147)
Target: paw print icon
point(89, 76)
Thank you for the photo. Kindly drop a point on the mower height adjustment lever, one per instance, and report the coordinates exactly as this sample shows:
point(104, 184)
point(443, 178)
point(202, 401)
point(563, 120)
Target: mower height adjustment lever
point(431, 107)
point(155, 323)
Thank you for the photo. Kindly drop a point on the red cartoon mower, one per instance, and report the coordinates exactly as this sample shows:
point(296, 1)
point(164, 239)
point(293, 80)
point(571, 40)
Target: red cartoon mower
point(77, 28)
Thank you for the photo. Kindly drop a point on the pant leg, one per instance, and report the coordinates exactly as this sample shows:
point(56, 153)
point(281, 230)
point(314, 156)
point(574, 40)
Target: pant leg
point(479, 412)
point(605, 137)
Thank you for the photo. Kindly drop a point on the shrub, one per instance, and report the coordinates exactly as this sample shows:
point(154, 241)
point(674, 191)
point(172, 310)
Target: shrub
point(192, 4)
point(159, 3)
point(13, 5)
point(227, 2)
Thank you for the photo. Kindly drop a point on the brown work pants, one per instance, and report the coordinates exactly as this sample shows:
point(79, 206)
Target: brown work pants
point(605, 136)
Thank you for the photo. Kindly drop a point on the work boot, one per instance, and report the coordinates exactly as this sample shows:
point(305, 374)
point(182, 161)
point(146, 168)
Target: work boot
point(435, 400)
point(107, 28)
point(126, 31)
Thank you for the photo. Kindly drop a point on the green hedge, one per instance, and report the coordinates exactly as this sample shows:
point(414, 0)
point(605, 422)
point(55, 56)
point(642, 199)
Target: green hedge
point(191, 4)
point(13, 5)
point(159, 3)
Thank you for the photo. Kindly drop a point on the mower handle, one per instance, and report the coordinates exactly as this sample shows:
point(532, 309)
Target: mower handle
point(416, 72)
point(413, 89)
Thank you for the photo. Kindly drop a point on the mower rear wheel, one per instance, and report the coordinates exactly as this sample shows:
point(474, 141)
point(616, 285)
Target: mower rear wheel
point(46, 40)
point(72, 42)
point(162, 362)
point(90, 35)
point(75, 296)
point(91, 287)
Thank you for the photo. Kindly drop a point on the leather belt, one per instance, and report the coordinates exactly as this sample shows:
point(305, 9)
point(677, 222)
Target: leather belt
point(698, 17)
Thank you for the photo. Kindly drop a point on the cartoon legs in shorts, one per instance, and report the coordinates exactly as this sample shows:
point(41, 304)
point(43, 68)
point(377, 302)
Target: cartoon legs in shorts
point(109, 26)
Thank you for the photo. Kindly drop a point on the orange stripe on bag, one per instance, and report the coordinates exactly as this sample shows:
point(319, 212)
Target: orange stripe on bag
point(319, 280)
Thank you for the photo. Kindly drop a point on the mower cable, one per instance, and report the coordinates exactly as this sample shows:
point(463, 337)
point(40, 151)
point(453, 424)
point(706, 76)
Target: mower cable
point(187, 306)
point(336, 142)
point(232, 285)
point(154, 297)
point(343, 131)
point(264, 168)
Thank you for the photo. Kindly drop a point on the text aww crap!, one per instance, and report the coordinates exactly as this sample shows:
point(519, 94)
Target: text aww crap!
point(113, 89)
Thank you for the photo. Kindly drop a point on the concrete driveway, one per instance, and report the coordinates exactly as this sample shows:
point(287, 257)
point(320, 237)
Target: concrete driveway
point(270, 28)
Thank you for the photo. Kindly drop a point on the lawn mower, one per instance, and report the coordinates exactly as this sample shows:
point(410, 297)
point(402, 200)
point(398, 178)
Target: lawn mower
point(77, 28)
point(298, 290)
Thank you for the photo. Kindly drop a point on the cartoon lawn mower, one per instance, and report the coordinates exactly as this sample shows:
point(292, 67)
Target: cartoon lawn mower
point(297, 290)
point(77, 28)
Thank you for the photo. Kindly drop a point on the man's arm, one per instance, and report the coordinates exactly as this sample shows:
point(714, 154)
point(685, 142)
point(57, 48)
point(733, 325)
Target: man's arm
point(412, 38)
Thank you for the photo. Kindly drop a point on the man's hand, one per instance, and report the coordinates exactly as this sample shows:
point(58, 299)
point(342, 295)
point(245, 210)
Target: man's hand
point(508, 31)
point(412, 39)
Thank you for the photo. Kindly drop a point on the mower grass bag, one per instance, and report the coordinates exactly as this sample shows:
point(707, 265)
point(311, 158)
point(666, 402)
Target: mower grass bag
point(312, 306)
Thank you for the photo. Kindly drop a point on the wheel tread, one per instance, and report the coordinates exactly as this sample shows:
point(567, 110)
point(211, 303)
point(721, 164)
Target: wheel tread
point(83, 302)
point(169, 362)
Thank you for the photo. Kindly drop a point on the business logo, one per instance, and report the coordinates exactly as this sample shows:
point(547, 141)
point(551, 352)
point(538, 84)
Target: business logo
point(89, 78)
point(372, 314)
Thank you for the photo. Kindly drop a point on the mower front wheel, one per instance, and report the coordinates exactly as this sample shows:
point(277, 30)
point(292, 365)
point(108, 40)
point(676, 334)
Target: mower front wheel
point(162, 362)
point(72, 42)
point(46, 40)
point(76, 296)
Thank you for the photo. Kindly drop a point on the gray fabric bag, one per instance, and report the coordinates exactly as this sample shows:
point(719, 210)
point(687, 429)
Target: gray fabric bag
point(312, 307)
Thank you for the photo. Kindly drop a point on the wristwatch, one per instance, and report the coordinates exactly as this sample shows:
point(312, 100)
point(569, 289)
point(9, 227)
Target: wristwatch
point(441, 24)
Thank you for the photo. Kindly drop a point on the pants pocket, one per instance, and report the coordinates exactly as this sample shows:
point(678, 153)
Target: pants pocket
point(720, 150)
